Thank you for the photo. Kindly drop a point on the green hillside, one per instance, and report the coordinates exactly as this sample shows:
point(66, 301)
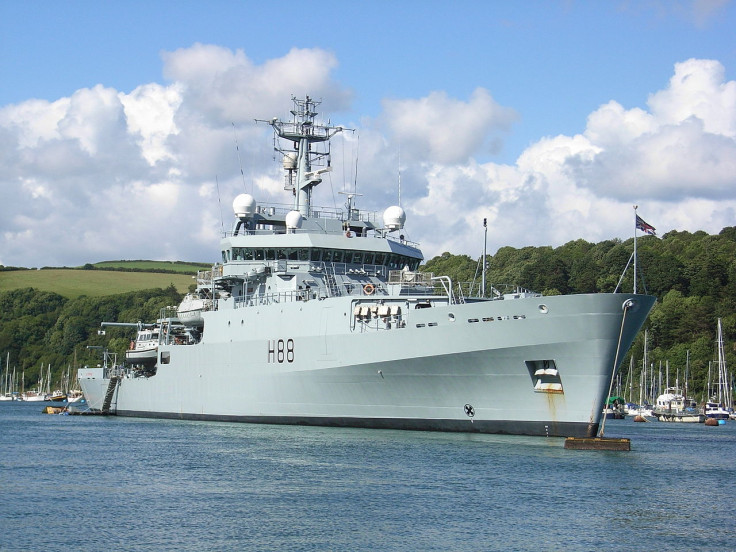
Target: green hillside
point(106, 278)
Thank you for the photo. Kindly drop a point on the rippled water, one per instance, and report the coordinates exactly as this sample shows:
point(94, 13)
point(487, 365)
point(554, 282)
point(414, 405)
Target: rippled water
point(107, 483)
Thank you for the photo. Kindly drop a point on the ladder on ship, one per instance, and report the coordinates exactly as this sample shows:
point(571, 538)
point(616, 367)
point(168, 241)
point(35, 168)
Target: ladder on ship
point(114, 380)
point(331, 281)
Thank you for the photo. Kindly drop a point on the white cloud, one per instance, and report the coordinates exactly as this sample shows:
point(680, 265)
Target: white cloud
point(697, 90)
point(104, 171)
point(34, 120)
point(152, 173)
point(677, 161)
point(150, 111)
point(226, 86)
point(444, 129)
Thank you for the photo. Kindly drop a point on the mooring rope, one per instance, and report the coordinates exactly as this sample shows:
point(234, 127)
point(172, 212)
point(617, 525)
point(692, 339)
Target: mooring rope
point(627, 305)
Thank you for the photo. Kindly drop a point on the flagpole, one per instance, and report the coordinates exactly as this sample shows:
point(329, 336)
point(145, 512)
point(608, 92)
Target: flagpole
point(635, 208)
point(485, 240)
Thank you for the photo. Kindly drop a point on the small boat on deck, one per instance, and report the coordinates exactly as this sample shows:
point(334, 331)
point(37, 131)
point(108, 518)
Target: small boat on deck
point(144, 350)
point(192, 306)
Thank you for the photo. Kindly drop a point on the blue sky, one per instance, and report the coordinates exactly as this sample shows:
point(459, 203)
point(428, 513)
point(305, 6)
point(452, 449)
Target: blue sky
point(543, 68)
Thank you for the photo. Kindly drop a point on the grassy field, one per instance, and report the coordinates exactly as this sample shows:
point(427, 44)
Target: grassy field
point(73, 283)
point(185, 268)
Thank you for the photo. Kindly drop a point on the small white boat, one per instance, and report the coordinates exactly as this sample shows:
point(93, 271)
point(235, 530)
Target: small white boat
point(144, 350)
point(673, 406)
point(34, 396)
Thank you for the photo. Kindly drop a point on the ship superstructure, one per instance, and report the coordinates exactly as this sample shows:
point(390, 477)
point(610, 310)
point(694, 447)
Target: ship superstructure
point(320, 316)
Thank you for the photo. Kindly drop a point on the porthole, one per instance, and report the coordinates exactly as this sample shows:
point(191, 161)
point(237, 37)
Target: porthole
point(451, 317)
point(543, 309)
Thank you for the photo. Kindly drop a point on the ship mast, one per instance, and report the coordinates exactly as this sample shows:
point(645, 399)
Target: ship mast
point(301, 160)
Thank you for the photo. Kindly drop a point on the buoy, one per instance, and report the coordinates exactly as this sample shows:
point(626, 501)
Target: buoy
point(640, 418)
point(711, 422)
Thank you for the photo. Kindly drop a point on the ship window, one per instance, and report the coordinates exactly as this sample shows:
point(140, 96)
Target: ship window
point(327, 255)
point(380, 258)
point(369, 258)
point(316, 255)
point(270, 254)
point(248, 254)
point(358, 257)
point(337, 256)
point(303, 254)
point(259, 255)
point(281, 254)
point(545, 376)
point(224, 256)
point(165, 357)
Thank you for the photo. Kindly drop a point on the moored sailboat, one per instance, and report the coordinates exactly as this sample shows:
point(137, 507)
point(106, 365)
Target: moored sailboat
point(720, 403)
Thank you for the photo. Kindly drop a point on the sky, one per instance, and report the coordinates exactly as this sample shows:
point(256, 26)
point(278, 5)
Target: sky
point(127, 127)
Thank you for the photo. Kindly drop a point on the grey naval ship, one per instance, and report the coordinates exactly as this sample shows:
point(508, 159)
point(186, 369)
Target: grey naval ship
point(319, 316)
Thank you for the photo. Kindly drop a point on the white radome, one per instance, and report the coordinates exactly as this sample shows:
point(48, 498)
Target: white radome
point(244, 205)
point(394, 218)
point(293, 219)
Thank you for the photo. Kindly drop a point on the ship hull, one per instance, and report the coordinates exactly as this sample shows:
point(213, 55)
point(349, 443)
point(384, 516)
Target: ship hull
point(469, 367)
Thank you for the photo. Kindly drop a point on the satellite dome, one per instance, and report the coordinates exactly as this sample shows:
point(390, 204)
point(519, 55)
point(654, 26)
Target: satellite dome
point(244, 206)
point(293, 219)
point(394, 217)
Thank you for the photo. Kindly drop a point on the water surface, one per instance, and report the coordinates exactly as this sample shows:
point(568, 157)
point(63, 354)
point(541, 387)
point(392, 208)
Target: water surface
point(109, 483)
